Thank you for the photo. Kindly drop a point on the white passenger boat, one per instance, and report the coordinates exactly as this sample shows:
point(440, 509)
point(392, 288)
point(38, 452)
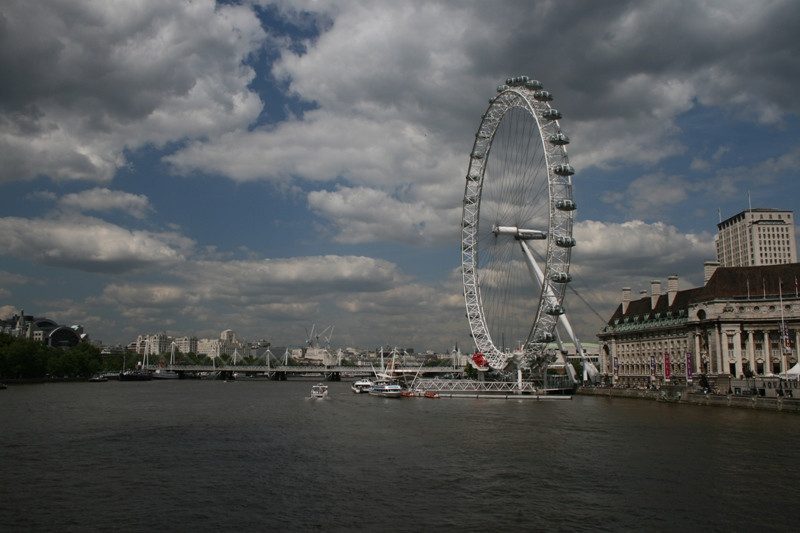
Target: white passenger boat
point(319, 391)
point(387, 389)
point(360, 386)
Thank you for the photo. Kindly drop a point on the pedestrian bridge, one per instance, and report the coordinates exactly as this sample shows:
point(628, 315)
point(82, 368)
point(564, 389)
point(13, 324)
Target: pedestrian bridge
point(329, 371)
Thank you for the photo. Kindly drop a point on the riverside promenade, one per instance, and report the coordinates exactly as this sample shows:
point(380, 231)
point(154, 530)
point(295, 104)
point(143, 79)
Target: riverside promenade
point(695, 396)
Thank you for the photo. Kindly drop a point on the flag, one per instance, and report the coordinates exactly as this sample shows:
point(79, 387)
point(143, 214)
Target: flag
point(786, 338)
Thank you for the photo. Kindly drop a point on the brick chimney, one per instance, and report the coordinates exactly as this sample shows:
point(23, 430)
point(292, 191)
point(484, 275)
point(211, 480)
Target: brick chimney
point(672, 288)
point(655, 292)
point(709, 267)
point(626, 299)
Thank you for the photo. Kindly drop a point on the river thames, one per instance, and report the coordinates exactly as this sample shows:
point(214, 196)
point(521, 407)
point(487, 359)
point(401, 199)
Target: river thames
point(259, 456)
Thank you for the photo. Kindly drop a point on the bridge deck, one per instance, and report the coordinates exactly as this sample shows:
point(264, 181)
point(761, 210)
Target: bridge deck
point(318, 369)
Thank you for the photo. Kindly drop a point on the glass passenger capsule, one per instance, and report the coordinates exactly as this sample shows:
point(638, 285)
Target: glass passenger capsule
point(566, 205)
point(551, 114)
point(565, 242)
point(558, 139)
point(560, 277)
point(554, 310)
point(563, 170)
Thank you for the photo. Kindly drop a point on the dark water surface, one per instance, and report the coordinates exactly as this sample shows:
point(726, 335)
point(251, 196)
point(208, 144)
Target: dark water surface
point(259, 456)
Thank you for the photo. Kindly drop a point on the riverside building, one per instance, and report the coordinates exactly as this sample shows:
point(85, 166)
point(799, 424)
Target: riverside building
point(156, 344)
point(44, 330)
point(161, 343)
point(743, 322)
point(757, 237)
point(228, 345)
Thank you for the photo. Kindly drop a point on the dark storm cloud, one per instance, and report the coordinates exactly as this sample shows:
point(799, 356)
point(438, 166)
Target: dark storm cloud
point(728, 50)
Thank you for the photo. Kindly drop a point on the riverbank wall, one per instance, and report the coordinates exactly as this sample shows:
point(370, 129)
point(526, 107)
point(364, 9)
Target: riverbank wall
point(693, 396)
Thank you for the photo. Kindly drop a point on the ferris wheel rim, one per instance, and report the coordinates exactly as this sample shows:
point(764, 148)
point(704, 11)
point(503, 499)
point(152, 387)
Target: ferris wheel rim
point(528, 96)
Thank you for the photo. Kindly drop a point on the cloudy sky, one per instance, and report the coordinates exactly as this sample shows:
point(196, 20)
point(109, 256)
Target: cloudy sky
point(192, 166)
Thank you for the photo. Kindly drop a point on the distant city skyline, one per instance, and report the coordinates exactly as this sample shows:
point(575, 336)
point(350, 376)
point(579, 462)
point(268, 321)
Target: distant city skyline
point(267, 166)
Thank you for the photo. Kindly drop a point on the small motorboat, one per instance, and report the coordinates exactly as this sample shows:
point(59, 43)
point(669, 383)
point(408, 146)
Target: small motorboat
point(319, 391)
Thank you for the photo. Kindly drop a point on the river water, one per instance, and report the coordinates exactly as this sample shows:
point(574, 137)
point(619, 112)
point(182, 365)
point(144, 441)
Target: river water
point(260, 456)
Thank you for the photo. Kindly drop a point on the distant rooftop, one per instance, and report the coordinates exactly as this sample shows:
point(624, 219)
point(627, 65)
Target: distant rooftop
point(741, 214)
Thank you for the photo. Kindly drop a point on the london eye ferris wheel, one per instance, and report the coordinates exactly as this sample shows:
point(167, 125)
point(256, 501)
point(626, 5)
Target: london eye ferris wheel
point(516, 227)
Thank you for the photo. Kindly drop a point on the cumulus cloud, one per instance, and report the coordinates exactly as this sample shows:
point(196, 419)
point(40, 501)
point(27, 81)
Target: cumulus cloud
point(728, 181)
point(315, 276)
point(89, 244)
point(84, 81)
point(322, 147)
point(368, 215)
point(106, 200)
point(654, 196)
point(651, 195)
point(359, 294)
point(7, 311)
point(397, 90)
point(611, 249)
point(258, 282)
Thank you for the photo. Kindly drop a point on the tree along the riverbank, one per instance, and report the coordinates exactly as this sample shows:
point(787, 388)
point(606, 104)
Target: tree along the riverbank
point(22, 358)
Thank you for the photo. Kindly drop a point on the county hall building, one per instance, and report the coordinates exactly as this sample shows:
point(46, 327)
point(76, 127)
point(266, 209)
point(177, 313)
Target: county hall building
point(741, 323)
